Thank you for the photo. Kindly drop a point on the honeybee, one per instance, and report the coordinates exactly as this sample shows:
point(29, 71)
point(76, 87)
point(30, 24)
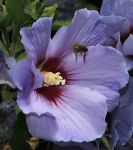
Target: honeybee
point(80, 49)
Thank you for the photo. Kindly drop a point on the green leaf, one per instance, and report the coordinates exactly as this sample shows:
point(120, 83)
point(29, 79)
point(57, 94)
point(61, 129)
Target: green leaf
point(49, 11)
point(104, 140)
point(3, 43)
point(20, 52)
point(3, 13)
point(15, 9)
point(59, 23)
point(2, 46)
point(30, 8)
point(91, 7)
point(131, 72)
point(20, 56)
point(17, 111)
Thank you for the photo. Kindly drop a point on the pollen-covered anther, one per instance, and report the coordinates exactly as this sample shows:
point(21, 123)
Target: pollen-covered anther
point(52, 79)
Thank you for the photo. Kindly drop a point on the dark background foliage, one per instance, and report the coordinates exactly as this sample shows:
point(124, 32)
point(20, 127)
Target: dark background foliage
point(23, 13)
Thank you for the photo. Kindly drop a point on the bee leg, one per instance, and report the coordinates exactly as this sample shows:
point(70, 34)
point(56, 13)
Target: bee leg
point(76, 56)
point(84, 56)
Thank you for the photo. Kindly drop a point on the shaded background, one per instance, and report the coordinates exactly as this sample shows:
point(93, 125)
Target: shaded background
point(17, 136)
point(66, 8)
point(18, 140)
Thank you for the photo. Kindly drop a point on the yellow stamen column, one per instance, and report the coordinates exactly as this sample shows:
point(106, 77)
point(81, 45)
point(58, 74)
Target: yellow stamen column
point(52, 79)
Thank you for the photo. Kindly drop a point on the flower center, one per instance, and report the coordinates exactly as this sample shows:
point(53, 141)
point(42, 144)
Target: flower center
point(52, 79)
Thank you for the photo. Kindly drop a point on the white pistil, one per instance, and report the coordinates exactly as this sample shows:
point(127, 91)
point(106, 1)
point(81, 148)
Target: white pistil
point(52, 79)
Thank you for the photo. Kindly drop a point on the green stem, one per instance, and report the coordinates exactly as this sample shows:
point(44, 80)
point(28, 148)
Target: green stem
point(14, 41)
point(5, 93)
point(47, 146)
point(12, 49)
point(1, 1)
